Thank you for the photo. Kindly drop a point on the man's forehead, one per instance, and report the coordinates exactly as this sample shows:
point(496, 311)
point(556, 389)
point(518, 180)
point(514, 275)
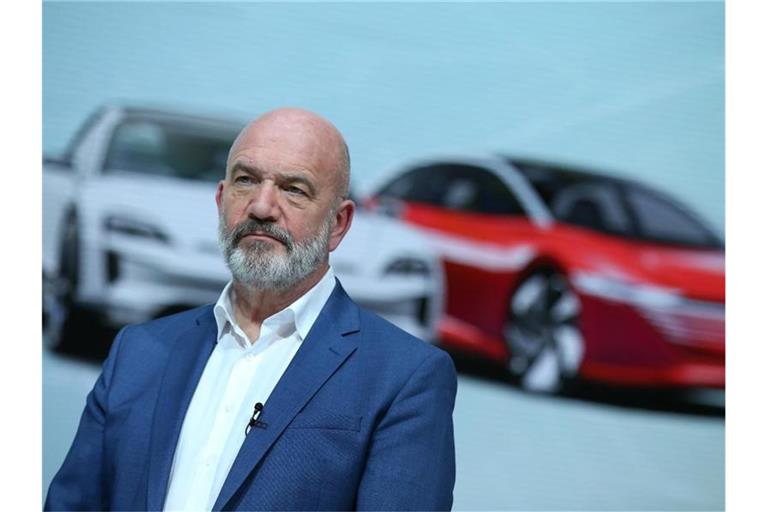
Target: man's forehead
point(280, 155)
point(293, 143)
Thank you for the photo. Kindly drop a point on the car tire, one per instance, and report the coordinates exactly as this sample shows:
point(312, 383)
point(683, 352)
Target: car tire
point(64, 320)
point(542, 333)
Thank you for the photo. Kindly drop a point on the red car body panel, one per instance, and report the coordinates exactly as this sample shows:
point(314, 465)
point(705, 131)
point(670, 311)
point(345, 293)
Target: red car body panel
point(486, 256)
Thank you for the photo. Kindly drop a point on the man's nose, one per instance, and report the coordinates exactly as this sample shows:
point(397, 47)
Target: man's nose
point(264, 202)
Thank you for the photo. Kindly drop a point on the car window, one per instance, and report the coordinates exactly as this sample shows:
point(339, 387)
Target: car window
point(662, 220)
point(164, 149)
point(455, 187)
point(419, 185)
point(594, 205)
point(474, 189)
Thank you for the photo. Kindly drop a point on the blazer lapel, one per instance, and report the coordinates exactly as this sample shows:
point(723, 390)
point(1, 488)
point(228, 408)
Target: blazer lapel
point(186, 363)
point(320, 354)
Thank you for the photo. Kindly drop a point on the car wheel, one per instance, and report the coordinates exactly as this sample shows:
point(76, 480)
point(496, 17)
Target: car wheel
point(542, 333)
point(53, 313)
point(64, 320)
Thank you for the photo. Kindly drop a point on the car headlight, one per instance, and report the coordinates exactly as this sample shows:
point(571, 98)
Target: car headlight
point(408, 266)
point(132, 227)
point(621, 290)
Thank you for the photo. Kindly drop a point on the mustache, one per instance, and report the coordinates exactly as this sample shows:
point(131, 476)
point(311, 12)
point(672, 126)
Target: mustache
point(255, 226)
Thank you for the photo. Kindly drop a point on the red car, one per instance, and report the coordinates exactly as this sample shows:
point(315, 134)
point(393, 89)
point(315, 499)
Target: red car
point(560, 273)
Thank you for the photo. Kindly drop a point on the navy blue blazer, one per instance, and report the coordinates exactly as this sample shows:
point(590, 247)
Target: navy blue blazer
point(361, 419)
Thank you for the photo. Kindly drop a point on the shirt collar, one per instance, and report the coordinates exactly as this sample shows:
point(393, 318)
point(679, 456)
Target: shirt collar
point(301, 314)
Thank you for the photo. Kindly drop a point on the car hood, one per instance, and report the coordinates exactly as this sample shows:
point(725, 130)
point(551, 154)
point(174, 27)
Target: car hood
point(184, 211)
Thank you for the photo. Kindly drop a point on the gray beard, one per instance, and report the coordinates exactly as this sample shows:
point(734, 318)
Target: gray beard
point(254, 264)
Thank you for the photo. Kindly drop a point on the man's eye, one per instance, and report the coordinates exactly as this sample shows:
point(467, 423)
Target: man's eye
point(295, 190)
point(243, 179)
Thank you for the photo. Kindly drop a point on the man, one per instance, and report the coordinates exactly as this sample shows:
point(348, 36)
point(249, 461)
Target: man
point(284, 395)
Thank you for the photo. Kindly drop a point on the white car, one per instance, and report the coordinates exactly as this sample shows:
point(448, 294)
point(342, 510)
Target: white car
point(130, 230)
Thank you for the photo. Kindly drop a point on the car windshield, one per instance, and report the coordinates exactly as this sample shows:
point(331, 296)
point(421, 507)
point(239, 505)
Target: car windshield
point(186, 151)
point(616, 207)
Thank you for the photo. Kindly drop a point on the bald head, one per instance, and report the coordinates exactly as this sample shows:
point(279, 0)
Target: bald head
point(303, 134)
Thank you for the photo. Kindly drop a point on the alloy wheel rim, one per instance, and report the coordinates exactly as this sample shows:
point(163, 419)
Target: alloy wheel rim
point(542, 333)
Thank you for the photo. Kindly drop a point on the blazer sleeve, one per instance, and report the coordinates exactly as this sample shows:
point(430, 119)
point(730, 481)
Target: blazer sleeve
point(411, 459)
point(79, 483)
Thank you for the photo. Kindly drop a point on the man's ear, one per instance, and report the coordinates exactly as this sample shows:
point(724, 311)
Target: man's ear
point(219, 191)
point(342, 223)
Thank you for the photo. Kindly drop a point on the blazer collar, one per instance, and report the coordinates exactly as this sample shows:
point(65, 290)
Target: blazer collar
point(325, 348)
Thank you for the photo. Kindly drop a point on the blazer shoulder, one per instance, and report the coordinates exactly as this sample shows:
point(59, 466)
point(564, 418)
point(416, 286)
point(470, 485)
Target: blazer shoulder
point(145, 347)
point(384, 335)
point(168, 327)
point(395, 362)
point(197, 315)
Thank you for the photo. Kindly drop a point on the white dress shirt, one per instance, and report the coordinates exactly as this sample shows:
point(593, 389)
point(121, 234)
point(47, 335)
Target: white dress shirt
point(238, 374)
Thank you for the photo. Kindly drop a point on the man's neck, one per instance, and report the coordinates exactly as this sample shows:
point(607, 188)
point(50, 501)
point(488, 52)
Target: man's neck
point(254, 305)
